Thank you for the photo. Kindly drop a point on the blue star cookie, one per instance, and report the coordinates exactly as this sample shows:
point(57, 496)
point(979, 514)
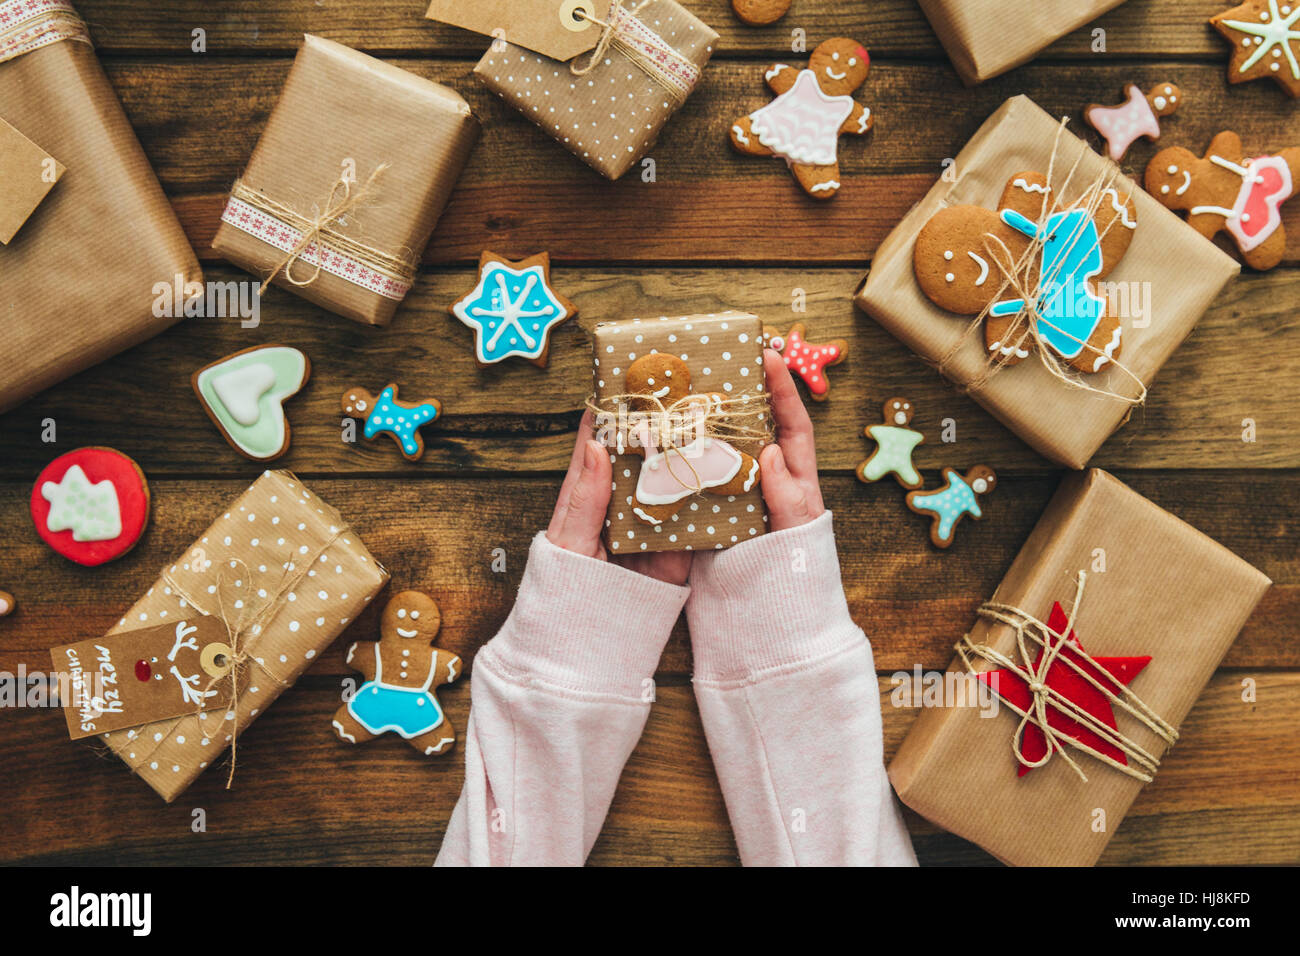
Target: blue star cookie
point(512, 309)
point(954, 501)
point(387, 415)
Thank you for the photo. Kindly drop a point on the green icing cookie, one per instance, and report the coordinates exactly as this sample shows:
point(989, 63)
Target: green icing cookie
point(243, 395)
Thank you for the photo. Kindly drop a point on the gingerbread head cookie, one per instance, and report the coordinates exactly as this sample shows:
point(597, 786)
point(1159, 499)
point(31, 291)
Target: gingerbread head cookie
point(813, 107)
point(401, 670)
point(677, 466)
point(964, 253)
point(1223, 191)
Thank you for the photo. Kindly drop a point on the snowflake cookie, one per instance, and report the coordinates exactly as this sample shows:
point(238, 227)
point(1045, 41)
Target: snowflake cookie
point(1265, 38)
point(513, 309)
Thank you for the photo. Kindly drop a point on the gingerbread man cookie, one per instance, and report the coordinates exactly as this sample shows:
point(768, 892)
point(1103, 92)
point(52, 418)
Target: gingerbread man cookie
point(957, 499)
point(672, 474)
point(808, 360)
point(401, 670)
point(895, 443)
point(391, 416)
point(1265, 38)
point(759, 13)
point(961, 252)
point(513, 309)
point(1139, 115)
point(1224, 191)
point(812, 108)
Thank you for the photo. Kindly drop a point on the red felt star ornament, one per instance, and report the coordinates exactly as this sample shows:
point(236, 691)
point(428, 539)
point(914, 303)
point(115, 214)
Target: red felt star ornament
point(1072, 686)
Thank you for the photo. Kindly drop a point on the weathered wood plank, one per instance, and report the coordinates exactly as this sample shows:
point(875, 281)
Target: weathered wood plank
point(200, 121)
point(515, 417)
point(912, 600)
point(301, 797)
point(890, 28)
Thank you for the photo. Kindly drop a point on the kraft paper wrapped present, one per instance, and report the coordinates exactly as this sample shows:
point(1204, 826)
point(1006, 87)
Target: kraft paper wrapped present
point(1161, 287)
point(347, 182)
point(1158, 606)
point(602, 78)
point(77, 279)
point(284, 575)
point(986, 37)
point(701, 479)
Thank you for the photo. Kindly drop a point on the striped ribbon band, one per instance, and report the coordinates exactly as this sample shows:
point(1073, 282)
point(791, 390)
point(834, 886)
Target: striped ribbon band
point(27, 25)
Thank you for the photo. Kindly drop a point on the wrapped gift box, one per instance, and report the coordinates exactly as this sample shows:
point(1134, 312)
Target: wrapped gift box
point(1172, 273)
point(1155, 587)
point(610, 115)
point(77, 280)
point(353, 170)
point(724, 354)
point(301, 574)
point(986, 37)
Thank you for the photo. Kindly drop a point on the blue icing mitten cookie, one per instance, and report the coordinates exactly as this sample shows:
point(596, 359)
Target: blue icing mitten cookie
point(954, 501)
point(390, 416)
point(895, 443)
point(513, 309)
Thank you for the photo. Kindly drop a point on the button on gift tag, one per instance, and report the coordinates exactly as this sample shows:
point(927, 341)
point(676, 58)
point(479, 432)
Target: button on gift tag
point(560, 29)
point(27, 173)
point(136, 677)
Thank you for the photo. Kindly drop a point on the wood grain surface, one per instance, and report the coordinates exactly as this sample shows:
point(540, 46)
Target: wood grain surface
point(712, 230)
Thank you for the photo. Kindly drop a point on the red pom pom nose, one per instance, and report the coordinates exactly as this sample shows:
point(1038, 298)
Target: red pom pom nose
point(142, 670)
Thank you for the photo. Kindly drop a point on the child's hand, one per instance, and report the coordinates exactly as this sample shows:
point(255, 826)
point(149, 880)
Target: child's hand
point(788, 468)
point(580, 510)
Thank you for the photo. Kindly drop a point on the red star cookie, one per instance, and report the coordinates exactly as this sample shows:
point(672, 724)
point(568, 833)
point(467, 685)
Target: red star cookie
point(806, 359)
point(1265, 38)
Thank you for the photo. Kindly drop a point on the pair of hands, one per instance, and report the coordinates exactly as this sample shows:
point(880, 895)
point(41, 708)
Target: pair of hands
point(788, 479)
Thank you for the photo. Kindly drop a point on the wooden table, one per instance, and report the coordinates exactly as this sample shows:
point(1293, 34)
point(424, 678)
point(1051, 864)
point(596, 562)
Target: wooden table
point(714, 230)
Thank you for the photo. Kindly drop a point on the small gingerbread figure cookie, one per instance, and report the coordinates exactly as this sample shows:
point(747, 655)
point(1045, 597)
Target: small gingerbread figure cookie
point(513, 309)
point(401, 670)
point(955, 500)
point(1265, 38)
point(391, 416)
point(6, 603)
point(812, 108)
point(1139, 115)
point(704, 464)
point(808, 360)
point(1224, 191)
point(895, 443)
point(961, 252)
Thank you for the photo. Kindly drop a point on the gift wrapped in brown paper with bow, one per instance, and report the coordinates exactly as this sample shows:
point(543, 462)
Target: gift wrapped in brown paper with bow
point(986, 37)
point(90, 231)
point(1094, 647)
point(343, 190)
point(233, 623)
point(1043, 282)
point(681, 404)
point(601, 76)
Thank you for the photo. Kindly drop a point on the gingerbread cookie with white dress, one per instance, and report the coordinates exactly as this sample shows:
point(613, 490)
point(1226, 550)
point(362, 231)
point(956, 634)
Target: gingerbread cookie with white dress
point(813, 107)
point(401, 670)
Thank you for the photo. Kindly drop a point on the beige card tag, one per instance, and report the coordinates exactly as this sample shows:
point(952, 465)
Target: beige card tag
point(27, 173)
point(136, 677)
point(553, 28)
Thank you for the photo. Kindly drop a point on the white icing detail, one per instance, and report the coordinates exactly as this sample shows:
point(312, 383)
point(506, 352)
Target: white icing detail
point(403, 632)
point(829, 184)
point(343, 733)
point(740, 135)
point(900, 418)
point(949, 277)
point(441, 743)
point(984, 267)
point(774, 71)
point(360, 405)
point(802, 124)
point(662, 392)
point(864, 119)
point(836, 76)
point(451, 669)
point(1108, 352)
point(1272, 33)
point(979, 486)
point(99, 517)
point(1008, 349)
point(1229, 165)
point(1187, 182)
point(1030, 187)
point(1121, 211)
point(241, 390)
point(644, 517)
point(753, 474)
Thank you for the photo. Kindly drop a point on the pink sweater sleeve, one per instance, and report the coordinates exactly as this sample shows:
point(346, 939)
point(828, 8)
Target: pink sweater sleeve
point(791, 708)
point(560, 697)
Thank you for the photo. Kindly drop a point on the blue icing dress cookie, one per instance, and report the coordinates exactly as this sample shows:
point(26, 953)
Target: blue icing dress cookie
point(957, 499)
point(388, 415)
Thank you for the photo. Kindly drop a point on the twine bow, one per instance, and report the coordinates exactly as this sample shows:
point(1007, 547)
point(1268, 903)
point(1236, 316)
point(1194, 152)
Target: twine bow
point(1033, 668)
point(646, 49)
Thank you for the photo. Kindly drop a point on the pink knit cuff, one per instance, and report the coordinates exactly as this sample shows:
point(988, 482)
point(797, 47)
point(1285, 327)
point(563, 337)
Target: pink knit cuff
point(583, 625)
point(768, 604)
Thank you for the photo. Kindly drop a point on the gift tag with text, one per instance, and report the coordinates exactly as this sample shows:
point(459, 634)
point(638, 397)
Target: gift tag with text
point(560, 29)
point(136, 677)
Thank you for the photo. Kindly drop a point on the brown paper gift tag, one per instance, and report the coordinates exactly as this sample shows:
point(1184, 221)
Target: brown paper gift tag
point(724, 352)
point(1174, 271)
point(1155, 586)
point(27, 173)
point(552, 28)
point(986, 37)
point(143, 675)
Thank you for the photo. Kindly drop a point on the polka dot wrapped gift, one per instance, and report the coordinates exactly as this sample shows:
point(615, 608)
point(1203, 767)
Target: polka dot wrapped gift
point(288, 575)
point(682, 407)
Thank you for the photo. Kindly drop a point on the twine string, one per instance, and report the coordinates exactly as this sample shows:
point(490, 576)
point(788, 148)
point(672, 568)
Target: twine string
point(58, 21)
point(1032, 634)
point(617, 31)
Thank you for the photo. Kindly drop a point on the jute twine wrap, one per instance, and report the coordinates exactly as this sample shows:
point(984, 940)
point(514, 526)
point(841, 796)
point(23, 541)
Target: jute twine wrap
point(235, 602)
point(27, 25)
point(646, 49)
point(1022, 276)
point(320, 230)
point(1032, 634)
point(747, 419)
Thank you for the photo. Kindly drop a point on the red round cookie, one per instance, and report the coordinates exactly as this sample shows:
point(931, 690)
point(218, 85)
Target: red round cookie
point(56, 490)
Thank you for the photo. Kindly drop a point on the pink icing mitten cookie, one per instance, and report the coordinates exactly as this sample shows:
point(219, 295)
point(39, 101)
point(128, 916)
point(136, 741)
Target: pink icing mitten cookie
point(1139, 115)
point(813, 106)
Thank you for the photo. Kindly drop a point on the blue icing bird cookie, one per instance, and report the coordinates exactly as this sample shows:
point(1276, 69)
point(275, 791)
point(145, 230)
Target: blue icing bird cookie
point(513, 309)
point(957, 499)
point(387, 415)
